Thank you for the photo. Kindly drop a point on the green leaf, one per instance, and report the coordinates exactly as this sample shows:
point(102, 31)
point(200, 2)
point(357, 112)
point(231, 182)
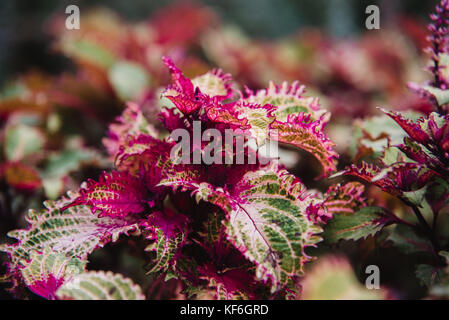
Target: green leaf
point(128, 79)
point(363, 223)
point(99, 285)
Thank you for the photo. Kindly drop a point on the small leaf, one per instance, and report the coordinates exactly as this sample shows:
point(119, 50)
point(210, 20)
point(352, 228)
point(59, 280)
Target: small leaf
point(20, 176)
point(268, 224)
point(307, 135)
point(428, 275)
point(366, 222)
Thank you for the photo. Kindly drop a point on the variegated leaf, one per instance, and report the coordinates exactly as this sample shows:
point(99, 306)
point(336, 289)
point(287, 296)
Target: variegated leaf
point(99, 285)
point(47, 271)
point(168, 231)
point(364, 223)
point(289, 100)
point(75, 232)
point(215, 83)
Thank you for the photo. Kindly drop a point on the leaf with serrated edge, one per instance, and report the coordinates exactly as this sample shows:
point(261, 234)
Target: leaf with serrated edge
point(75, 232)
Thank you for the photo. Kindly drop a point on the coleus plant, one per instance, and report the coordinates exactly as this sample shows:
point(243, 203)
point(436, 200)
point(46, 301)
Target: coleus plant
point(224, 230)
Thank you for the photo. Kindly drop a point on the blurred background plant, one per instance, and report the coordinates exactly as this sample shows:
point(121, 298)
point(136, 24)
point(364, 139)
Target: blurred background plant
point(61, 88)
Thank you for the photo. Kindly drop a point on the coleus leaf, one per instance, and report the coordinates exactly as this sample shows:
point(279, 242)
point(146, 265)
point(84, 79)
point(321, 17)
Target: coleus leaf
point(289, 100)
point(184, 95)
point(116, 194)
point(131, 122)
point(47, 271)
point(99, 285)
point(299, 120)
point(359, 225)
point(442, 96)
point(333, 278)
point(395, 179)
point(168, 231)
point(215, 83)
point(344, 200)
point(75, 232)
point(429, 140)
point(20, 176)
point(299, 129)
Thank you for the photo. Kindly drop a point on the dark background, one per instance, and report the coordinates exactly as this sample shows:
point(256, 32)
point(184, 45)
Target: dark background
point(24, 45)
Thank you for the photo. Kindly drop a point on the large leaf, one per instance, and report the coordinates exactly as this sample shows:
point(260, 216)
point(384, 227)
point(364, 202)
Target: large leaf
point(99, 285)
